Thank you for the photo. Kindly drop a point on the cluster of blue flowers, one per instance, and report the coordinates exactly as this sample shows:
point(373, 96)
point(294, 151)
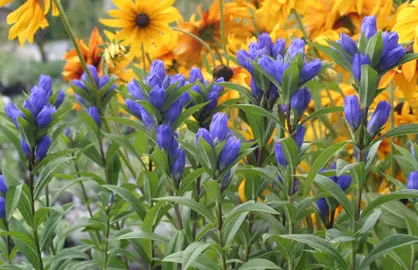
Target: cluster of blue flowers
point(38, 111)
point(167, 141)
point(354, 115)
point(219, 134)
point(94, 95)
point(274, 60)
point(159, 90)
point(3, 192)
point(381, 57)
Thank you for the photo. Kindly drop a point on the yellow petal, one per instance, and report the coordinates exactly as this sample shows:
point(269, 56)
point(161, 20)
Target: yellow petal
point(409, 70)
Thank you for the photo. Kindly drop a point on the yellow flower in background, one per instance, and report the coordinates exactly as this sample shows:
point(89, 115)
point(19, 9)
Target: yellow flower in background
point(142, 22)
point(28, 18)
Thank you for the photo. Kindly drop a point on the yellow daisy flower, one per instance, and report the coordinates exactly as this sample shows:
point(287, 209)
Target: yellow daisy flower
point(28, 18)
point(142, 22)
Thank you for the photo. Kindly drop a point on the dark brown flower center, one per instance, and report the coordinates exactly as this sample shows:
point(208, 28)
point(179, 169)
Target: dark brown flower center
point(398, 108)
point(223, 72)
point(142, 20)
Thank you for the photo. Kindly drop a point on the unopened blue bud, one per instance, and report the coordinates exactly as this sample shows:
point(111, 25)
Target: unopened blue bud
point(389, 42)
point(204, 133)
point(3, 186)
point(174, 111)
point(39, 98)
point(158, 68)
point(42, 148)
point(268, 65)
point(44, 117)
point(229, 152)
point(300, 136)
point(30, 107)
point(219, 127)
point(164, 137)
point(2, 208)
point(413, 180)
point(323, 208)
point(296, 47)
point(178, 79)
point(348, 44)
point(196, 75)
point(265, 42)
point(157, 97)
point(244, 60)
point(379, 118)
point(213, 98)
point(153, 80)
point(177, 167)
point(344, 181)
point(79, 84)
point(368, 26)
point(95, 114)
point(25, 147)
point(45, 82)
point(280, 157)
point(60, 99)
point(140, 112)
point(136, 91)
point(280, 69)
point(278, 48)
point(392, 58)
point(94, 74)
point(309, 71)
point(300, 101)
point(273, 94)
point(358, 61)
point(352, 111)
point(13, 113)
point(255, 90)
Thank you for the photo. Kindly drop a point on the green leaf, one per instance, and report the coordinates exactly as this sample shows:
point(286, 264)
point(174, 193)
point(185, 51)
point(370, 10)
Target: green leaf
point(337, 57)
point(290, 81)
point(241, 89)
point(248, 108)
point(201, 209)
point(231, 228)
point(396, 195)
point(186, 114)
point(374, 49)
point(192, 252)
point(208, 156)
point(189, 179)
point(368, 85)
point(127, 195)
point(12, 199)
point(337, 193)
point(212, 188)
point(259, 264)
point(25, 205)
point(319, 244)
point(40, 215)
point(143, 235)
point(90, 123)
point(319, 163)
point(370, 221)
point(386, 245)
point(321, 112)
point(250, 206)
point(401, 130)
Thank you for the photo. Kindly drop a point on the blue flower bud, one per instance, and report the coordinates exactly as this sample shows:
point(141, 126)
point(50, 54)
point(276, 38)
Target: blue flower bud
point(42, 148)
point(177, 167)
point(67, 132)
point(45, 82)
point(348, 44)
point(300, 100)
point(81, 100)
point(178, 79)
point(219, 127)
point(278, 48)
point(204, 133)
point(280, 69)
point(157, 97)
point(153, 80)
point(379, 118)
point(267, 64)
point(280, 157)
point(196, 75)
point(95, 114)
point(25, 147)
point(255, 90)
point(352, 112)
point(229, 153)
point(3, 186)
point(300, 136)
point(216, 87)
point(368, 26)
point(158, 68)
point(323, 208)
point(174, 111)
point(94, 74)
point(140, 112)
point(44, 117)
point(392, 58)
point(136, 91)
point(164, 137)
point(60, 99)
point(30, 107)
point(255, 51)
point(296, 47)
point(2, 208)
point(358, 61)
point(79, 84)
point(413, 180)
point(273, 94)
point(39, 98)
point(389, 42)
point(244, 60)
point(105, 80)
point(213, 98)
point(13, 113)
point(265, 42)
point(310, 70)
point(344, 181)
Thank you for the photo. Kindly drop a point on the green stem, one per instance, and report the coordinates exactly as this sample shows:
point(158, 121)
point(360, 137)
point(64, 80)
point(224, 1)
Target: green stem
point(353, 256)
point(302, 28)
point(223, 37)
point(144, 64)
point(9, 242)
point(392, 126)
point(107, 232)
point(221, 240)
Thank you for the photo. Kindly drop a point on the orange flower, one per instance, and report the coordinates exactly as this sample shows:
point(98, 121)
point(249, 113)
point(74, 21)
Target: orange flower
point(91, 54)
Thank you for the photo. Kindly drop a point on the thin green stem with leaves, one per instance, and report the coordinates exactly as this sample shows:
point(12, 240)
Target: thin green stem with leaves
point(223, 34)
